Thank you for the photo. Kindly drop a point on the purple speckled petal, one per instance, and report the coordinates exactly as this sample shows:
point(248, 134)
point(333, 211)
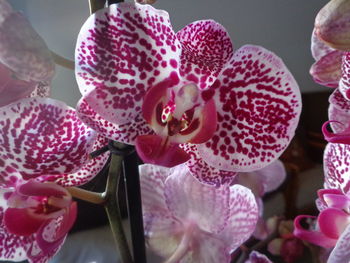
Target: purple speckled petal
point(87, 172)
point(336, 162)
point(206, 48)
point(43, 136)
point(338, 111)
point(152, 178)
point(8, 175)
point(258, 107)
point(24, 51)
point(191, 200)
point(256, 257)
point(126, 133)
point(341, 251)
point(122, 51)
point(42, 90)
point(318, 47)
point(344, 83)
point(327, 70)
point(205, 172)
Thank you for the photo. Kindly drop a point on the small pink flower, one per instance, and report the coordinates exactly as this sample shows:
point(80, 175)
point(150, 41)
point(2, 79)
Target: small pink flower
point(26, 66)
point(188, 221)
point(162, 91)
point(35, 218)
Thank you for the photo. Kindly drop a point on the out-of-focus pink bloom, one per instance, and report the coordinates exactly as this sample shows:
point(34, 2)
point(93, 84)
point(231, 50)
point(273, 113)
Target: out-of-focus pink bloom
point(43, 144)
point(261, 182)
point(144, 84)
point(332, 24)
point(26, 66)
point(256, 257)
point(188, 221)
point(35, 218)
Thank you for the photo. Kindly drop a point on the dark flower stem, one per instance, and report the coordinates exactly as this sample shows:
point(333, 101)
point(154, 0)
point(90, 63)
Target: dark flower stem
point(133, 192)
point(112, 208)
point(88, 196)
point(95, 5)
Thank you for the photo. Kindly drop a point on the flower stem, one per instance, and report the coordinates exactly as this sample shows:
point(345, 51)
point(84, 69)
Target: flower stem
point(95, 5)
point(112, 208)
point(59, 60)
point(92, 197)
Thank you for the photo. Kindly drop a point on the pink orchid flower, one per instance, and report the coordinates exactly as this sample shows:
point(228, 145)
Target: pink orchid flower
point(146, 85)
point(26, 66)
point(43, 147)
point(35, 218)
point(257, 257)
point(261, 182)
point(188, 221)
point(331, 228)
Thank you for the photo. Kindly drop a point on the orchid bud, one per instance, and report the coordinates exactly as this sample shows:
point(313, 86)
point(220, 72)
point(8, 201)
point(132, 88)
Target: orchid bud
point(332, 24)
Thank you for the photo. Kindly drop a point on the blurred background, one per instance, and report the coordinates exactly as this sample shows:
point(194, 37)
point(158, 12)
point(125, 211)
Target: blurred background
point(282, 26)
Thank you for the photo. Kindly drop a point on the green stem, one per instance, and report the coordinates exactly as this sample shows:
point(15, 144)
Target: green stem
point(95, 5)
point(92, 197)
point(112, 208)
point(63, 62)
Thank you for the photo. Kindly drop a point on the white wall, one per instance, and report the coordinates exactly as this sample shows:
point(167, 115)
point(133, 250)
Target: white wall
point(283, 26)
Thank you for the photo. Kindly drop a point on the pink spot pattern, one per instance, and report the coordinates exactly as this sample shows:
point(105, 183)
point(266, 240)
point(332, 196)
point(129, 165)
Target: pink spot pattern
point(258, 106)
point(336, 166)
point(344, 82)
point(339, 111)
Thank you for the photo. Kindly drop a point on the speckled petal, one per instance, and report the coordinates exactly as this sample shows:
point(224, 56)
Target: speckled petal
point(258, 107)
point(338, 111)
point(126, 133)
point(121, 51)
point(8, 175)
point(341, 251)
point(336, 162)
point(206, 48)
point(152, 178)
point(87, 172)
point(242, 219)
point(318, 47)
point(42, 90)
point(43, 136)
point(190, 200)
point(205, 172)
point(24, 51)
point(344, 83)
point(327, 70)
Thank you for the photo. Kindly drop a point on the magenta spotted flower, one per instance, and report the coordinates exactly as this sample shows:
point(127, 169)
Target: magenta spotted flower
point(146, 85)
point(188, 221)
point(43, 147)
point(26, 66)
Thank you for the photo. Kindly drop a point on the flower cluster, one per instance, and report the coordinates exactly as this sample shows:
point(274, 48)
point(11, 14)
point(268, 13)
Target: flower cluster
point(210, 122)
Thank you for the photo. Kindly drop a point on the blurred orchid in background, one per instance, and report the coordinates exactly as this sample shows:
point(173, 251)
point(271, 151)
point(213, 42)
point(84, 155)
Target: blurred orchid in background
point(256, 257)
point(26, 65)
point(144, 84)
point(187, 221)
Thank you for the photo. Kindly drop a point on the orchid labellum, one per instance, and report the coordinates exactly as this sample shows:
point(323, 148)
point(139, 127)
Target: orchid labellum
point(43, 146)
point(187, 221)
point(26, 66)
point(144, 84)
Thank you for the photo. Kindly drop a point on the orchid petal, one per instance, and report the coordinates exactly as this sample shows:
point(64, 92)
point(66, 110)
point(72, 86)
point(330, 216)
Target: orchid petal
point(204, 172)
point(42, 90)
point(338, 111)
point(24, 51)
point(320, 204)
point(206, 48)
point(5, 10)
point(340, 137)
point(344, 83)
point(336, 166)
point(258, 107)
point(313, 236)
point(242, 218)
point(35, 188)
point(126, 133)
point(256, 257)
point(341, 251)
point(332, 222)
point(334, 198)
point(318, 47)
point(8, 175)
point(43, 136)
point(152, 180)
point(191, 200)
point(327, 70)
point(121, 51)
point(332, 24)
